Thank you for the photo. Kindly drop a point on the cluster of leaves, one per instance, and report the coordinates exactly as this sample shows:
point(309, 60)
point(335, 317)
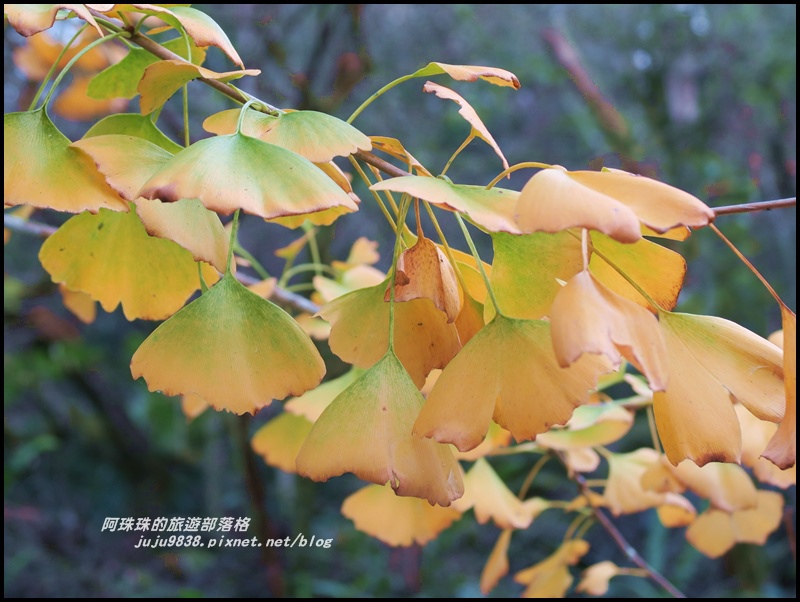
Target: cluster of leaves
point(446, 350)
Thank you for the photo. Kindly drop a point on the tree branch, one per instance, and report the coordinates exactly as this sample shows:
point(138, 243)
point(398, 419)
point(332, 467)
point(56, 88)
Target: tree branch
point(753, 207)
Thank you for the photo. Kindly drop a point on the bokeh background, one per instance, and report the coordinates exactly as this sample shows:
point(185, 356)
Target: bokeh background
point(700, 96)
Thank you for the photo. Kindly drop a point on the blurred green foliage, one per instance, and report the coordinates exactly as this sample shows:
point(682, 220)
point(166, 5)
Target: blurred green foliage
point(707, 96)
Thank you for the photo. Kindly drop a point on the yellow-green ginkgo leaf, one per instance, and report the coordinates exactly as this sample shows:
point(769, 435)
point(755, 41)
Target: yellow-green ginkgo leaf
point(551, 578)
point(395, 520)
point(131, 124)
point(424, 272)
point(316, 136)
point(470, 73)
point(496, 566)
point(624, 492)
point(756, 434)
point(468, 113)
point(191, 225)
point(233, 172)
point(716, 531)
point(491, 209)
point(30, 19)
point(507, 373)
point(110, 257)
point(782, 448)
point(279, 440)
point(527, 269)
point(488, 495)
point(366, 430)
point(312, 403)
point(587, 317)
point(657, 270)
point(613, 202)
point(231, 347)
point(590, 426)
point(711, 359)
point(41, 169)
point(162, 79)
point(423, 340)
point(126, 162)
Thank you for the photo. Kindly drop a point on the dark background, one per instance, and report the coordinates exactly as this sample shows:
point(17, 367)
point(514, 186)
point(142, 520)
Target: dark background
point(700, 96)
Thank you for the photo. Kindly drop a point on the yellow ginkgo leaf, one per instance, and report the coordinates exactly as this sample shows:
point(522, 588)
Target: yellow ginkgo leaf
point(727, 486)
point(587, 317)
point(231, 347)
point(316, 136)
point(551, 578)
point(423, 340)
point(41, 169)
point(527, 269)
point(366, 430)
point(507, 372)
point(468, 113)
point(488, 495)
point(756, 434)
point(110, 257)
point(594, 580)
point(80, 304)
point(162, 79)
point(424, 272)
point(580, 459)
point(496, 438)
point(716, 531)
point(613, 202)
point(676, 511)
point(233, 172)
point(30, 19)
point(590, 426)
point(356, 278)
point(782, 448)
point(279, 440)
point(711, 359)
point(491, 209)
point(624, 493)
point(470, 73)
point(496, 566)
point(75, 104)
point(193, 405)
point(395, 520)
point(312, 403)
point(657, 270)
point(394, 148)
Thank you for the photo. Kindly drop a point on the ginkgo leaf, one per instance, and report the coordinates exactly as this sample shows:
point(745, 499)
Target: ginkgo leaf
point(231, 347)
point(676, 511)
point(488, 495)
point(162, 79)
point(423, 340)
point(497, 437)
point(468, 113)
point(613, 202)
point(470, 73)
point(551, 578)
point(121, 80)
point(782, 448)
point(366, 430)
point(126, 162)
point(316, 136)
point(279, 440)
point(30, 19)
point(491, 209)
point(716, 531)
point(594, 580)
point(756, 434)
point(394, 148)
point(358, 277)
point(580, 459)
point(193, 405)
point(110, 257)
point(711, 359)
point(587, 317)
point(507, 372)
point(624, 493)
point(527, 269)
point(233, 172)
point(80, 304)
point(312, 403)
point(727, 486)
point(73, 102)
point(131, 124)
point(590, 426)
point(41, 52)
point(396, 521)
point(40, 168)
point(424, 272)
point(657, 270)
point(363, 252)
point(189, 224)
point(496, 566)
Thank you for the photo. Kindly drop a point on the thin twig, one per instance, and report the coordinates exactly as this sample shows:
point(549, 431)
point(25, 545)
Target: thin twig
point(753, 207)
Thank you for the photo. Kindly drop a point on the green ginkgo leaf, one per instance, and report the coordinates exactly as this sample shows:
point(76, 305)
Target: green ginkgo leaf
point(367, 431)
point(233, 172)
point(110, 257)
point(232, 348)
point(41, 169)
point(131, 124)
point(316, 136)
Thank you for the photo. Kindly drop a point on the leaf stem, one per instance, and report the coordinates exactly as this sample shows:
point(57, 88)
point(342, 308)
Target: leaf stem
point(464, 145)
point(526, 484)
point(203, 285)
point(405, 203)
point(313, 247)
point(447, 250)
point(477, 257)
point(508, 171)
point(377, 95)
point(54, 66)
point(377, 197)
point(307, 267)
point(254, 263)
point(232, 244)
